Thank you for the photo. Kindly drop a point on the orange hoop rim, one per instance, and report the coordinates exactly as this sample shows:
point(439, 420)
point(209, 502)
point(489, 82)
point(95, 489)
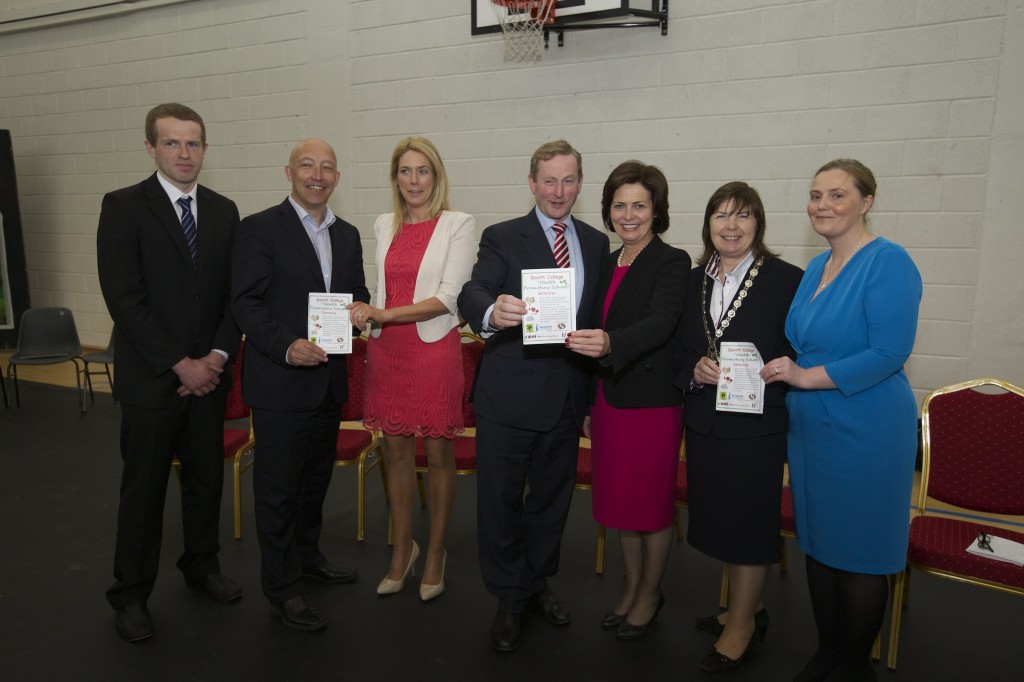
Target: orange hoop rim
point(523, 4)
point(536, 8)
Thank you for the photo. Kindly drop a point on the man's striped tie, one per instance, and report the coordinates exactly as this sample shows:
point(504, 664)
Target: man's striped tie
point(561, 249)
point(188, 225)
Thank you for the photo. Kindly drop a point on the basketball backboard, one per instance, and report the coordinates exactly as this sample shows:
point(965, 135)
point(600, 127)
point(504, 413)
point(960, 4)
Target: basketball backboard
point(484, 20)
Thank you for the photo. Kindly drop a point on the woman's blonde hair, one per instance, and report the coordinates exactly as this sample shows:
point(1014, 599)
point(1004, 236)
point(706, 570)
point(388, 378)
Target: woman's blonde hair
point(439, 194)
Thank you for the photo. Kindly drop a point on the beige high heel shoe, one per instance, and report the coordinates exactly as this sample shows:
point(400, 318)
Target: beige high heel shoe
point(389, 586)
point(428, 592)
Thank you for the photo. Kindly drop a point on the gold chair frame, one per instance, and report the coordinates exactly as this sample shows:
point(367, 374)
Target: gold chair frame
point(901, 584)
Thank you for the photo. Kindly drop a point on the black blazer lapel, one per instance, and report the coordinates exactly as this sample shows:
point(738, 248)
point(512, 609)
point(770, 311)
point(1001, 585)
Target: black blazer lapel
point(593, 250)
point(637, 280)
point(209, 217)
point(160, 205)
point(535, 243)
point(303, 246)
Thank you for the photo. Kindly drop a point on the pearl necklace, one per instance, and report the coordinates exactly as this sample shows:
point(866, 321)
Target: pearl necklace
point(826, 280)
point(618, 261)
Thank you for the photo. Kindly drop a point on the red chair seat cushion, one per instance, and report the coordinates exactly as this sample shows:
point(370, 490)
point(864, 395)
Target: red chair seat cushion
point(584, 468)
point(234, 439)
point(350, 444)
point(939, 542)
point(464, 448)
point(682, 498)
point(788, 522)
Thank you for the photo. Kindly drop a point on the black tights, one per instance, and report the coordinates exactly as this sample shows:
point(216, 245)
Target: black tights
point(848, 611)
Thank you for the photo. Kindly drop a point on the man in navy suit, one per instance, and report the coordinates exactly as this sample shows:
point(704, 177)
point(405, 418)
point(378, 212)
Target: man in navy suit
point(163, 252)
point(295, 389)
point(529, 401)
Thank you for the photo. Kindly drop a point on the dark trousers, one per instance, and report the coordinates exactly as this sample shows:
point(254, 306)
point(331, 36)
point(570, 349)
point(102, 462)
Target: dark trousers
point(524, 487)
point(292, 470)
point(193, 429)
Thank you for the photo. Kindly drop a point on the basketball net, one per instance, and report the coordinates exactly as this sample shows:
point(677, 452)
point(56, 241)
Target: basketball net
point(522, 24)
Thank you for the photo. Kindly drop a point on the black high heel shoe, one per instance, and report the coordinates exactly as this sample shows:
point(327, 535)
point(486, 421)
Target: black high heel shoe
point(716, 662)
point(626, 631)
point(612, 620)
point(711, 624)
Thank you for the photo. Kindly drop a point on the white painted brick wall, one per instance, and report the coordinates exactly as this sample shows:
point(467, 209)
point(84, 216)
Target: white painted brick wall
point(760, 90)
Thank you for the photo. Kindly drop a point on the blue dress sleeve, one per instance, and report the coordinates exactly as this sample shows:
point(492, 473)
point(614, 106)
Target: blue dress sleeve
point(891, 297)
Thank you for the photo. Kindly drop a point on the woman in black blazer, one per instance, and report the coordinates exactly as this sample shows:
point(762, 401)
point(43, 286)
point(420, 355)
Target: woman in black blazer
point(739, 292)
point(636, 418)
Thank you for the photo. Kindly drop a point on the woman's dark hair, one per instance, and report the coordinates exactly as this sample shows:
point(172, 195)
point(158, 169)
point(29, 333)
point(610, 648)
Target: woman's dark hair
point(743, 198)
point(651, 178)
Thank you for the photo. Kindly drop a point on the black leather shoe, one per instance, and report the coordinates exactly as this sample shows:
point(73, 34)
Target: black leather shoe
point(134, 623)
point(628, 632)
point(218, 587)
point(551, 607)
point(297, 613)
point(612, 621)
point(505, 631)
point(326, 572)
point(717, 662)
point(711, 624)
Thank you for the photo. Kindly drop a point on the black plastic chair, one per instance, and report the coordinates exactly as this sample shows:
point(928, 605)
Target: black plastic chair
point(105, 358)
point(47, 336)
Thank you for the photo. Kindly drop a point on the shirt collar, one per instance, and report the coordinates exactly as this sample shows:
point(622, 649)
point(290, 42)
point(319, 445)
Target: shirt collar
point(329, 216)
point(547, 222)
point(173, 193)
point(715, 263)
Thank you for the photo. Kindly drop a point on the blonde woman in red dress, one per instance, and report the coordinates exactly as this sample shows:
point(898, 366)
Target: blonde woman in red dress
point(425, 253)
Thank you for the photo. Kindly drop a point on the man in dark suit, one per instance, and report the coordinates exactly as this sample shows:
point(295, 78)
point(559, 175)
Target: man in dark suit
point(529, 400)
point(163, 253)
point(295, 389)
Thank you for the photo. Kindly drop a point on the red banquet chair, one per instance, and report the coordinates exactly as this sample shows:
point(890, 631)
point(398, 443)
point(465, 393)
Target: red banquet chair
point(355, 444)
point(239, 443)
point(585, 481)
point(464, 444)
point(973, 445)
point(787, 529)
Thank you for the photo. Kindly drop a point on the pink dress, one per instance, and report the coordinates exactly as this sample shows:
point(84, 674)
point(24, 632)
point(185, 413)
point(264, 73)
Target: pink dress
point(635, 456)
point(412, 387)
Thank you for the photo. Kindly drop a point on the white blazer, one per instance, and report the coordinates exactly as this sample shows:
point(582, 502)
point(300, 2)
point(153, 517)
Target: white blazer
point(447, 265)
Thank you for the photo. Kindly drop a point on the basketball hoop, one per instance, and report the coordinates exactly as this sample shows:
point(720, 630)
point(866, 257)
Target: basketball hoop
point(522, 24)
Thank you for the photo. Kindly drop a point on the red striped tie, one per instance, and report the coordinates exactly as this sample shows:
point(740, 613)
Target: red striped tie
point(561, 249)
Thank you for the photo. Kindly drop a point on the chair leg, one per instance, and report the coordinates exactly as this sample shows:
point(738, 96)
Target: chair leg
point(601, 532)
point(783, 564)
point(88, 382)
point(12, 371)
point(677, 522)
point(3, 387)
point(360, 495)
point(723, 590)
point(110, 380)
point(364, 471)
point(419, 484)
point(236, 481)
point(79, 383)
point(906, 588)
point(898, 587)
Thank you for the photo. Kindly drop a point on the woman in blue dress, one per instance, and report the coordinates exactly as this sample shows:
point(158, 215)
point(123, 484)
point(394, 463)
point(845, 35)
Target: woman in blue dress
point(852, 418)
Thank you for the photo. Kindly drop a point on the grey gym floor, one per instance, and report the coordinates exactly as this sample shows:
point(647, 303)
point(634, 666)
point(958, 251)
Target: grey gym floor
point(59, 476)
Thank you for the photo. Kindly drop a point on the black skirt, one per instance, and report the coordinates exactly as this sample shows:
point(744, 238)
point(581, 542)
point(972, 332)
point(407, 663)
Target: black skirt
point(735, 496)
